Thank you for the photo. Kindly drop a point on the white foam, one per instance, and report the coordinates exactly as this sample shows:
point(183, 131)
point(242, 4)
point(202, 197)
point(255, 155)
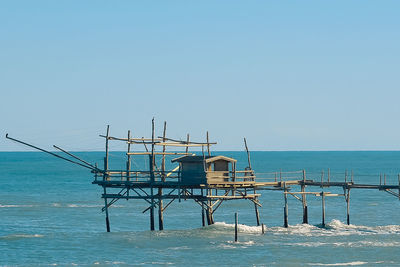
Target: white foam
point(353, 263)
point(242, 228)
point(18, 236)
point(348, 244)
point(335, 228)
point(16, 206)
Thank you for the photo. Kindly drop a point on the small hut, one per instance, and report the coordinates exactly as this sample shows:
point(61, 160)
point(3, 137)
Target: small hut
point(205, 170)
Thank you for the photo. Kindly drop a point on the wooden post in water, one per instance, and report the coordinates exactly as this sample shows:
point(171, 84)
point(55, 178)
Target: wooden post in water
point(236, 226)
point(160, 191)
point(285, 209)
point(152, 178)
point(251, 173)
point(106, 209)
point(304, 199)
point(105, 176)
point(323, 208)
point(348, 206)
point(262, 229)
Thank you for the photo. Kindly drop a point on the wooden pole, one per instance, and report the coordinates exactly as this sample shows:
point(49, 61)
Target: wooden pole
point(304, 199)
point(106, 209)
point(322, 178)
point(128, 162)
point(262, 229)
point(329, 175)
point(285, 209)
point(323, 209)
point(105, 176)
point(236, 226)
point(152, 228)
point(345, 176)
point(152, 178)
point(187, 140)
point(348, 206)
point(248, 153)
point(203, 219)
point(208, 145)
point(160, 191)
point(249, 162)
point(257, 213)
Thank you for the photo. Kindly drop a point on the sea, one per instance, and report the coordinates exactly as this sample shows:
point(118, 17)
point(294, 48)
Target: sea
point(50, 215)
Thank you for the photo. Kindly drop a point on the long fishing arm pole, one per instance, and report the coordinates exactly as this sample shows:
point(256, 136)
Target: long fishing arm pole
point(75, 157)
point(51, 153)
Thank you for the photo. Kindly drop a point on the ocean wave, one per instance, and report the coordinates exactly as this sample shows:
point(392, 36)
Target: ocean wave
point(242, 228)
point(333, 228)
point(20, 236)
point(353, 263)
point(356, 244)
point(16, 206)
point(336, 228)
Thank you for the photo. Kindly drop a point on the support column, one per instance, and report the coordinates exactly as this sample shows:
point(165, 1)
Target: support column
point(160, 210)
point(257, 213)
point(323, 209)
point(152, 210)
point(106, 209)
point(305, 207)
point(203, 221)
point(285, 209)
point(304, 199)
point(348, 205)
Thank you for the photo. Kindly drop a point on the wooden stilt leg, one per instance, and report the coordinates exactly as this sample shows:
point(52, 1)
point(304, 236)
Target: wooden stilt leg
point(160, 211)
point(152, 211)
point(305, 208)
point(257, 214)
point(323, 209)
point(106, 209)
point(348, 206)
point(202, 215)
point(285, 210)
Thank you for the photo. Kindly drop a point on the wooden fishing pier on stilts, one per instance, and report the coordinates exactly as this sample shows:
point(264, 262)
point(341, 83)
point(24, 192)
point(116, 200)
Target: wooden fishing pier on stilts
point(207, 179)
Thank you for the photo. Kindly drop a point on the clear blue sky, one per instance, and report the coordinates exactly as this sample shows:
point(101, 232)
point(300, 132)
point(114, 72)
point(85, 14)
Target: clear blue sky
point(288, 75)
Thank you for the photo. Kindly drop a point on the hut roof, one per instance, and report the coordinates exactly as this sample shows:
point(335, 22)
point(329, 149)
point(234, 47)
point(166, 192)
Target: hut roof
point(207, 159)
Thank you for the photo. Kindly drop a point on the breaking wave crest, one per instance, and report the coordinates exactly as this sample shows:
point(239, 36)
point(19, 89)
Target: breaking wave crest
point(20, 236)
point(242, 228)
point(353, 263)
point(333, 228)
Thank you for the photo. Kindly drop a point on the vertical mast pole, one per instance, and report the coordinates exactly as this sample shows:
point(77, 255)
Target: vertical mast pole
point(160, 201)
point(105, 176)
point(304, 198)
point(152, 177)
point(252, 174)
point(208, 145)
point(128, 163)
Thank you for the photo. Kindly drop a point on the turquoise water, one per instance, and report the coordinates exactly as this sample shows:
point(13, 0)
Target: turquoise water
point(51, 215)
